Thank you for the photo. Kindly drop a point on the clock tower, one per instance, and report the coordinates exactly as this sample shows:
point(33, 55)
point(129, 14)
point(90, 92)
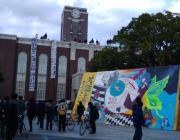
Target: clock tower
point(74, 24)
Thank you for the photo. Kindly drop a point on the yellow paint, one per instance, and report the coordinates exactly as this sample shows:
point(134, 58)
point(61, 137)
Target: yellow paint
point(85, 90)
point(177, 104)
point(154, 121)
point(144, 101)
point(129, 112)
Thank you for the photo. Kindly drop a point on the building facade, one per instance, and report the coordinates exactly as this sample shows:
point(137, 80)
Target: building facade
point(76, 82)
point(74, 24)
point(41, 69)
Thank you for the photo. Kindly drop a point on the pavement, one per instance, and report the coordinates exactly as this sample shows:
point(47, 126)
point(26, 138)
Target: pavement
point(104, 132)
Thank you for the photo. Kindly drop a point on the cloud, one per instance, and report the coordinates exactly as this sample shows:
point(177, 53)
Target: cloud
point(27, 17)
point(175, 7)
point(106, 20)
point(104, 7)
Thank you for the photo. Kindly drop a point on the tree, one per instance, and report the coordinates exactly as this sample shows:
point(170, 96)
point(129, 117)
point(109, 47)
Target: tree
point(151, 40)
point(107, 59)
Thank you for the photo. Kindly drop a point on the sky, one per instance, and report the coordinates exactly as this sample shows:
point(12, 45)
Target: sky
point(25, 18)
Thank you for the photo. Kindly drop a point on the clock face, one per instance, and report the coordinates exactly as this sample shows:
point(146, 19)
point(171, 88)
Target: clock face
point(75, 13)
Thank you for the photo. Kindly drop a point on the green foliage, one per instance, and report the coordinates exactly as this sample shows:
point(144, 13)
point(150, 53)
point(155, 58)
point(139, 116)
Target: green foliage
point(107, 59)
point(151, 39)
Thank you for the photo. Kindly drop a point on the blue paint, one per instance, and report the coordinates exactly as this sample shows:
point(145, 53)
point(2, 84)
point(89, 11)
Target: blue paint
point(168, 111)
point(117, 88)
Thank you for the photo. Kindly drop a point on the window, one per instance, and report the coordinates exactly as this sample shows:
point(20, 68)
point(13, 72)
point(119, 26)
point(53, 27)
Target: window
point(75, 27)
point(71, 27)
point(62, 69)
point(21, 74)
point(22, 62)
point(42, 72)
point(62, 65)
point(81, 64)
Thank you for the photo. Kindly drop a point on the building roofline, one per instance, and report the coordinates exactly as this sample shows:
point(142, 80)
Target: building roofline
point(67, 6)
point(47, 42)
point(8, 36)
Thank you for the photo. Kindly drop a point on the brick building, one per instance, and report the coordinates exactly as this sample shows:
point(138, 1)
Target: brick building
point(41, 68)
point(74, 24)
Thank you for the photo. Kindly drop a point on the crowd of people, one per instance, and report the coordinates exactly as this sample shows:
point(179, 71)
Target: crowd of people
point(9, 110)
point(12, 108)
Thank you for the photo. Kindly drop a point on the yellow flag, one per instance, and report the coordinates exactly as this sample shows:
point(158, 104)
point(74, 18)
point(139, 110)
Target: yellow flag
point(85, 90)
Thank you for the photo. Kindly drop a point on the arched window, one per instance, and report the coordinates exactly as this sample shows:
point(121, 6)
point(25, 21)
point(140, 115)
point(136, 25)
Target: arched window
point(42, 72)
point(21, 74)
point(62, 69)
point(81, 64)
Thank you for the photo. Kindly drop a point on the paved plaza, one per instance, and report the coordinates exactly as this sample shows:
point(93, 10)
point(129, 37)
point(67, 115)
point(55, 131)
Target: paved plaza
point(104, 132)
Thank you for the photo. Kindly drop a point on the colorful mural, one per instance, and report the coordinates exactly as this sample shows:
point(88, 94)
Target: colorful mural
point(114, 93)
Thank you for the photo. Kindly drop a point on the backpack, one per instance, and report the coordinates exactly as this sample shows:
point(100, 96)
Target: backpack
point(96, 114)
point(62, 110)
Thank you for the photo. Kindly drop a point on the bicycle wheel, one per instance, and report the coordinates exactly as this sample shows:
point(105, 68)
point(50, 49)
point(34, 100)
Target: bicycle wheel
point(89, 127)
point(70, 124)
point(82, 129)
point(24, 131)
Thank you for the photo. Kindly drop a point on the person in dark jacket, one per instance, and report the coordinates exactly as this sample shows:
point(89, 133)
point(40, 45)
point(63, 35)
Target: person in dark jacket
point(37, 112)
point(41, 113)
point(92, 117)
point(11, 117)
point(49, 114)
point(80, 111)
point(20, 110)
point(31, 112)
point(20, 106)
point(2, 119)
point(138, 118)
point(62, 110)
point(3, 116)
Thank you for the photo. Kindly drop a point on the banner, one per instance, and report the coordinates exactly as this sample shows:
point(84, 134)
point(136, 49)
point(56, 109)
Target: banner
point(32, 77)
point(85, 90)
point(53, 59)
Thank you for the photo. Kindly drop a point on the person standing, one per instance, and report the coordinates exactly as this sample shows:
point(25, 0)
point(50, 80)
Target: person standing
point(41, 112)
point(2, 120)
point(93, 116)
point(11, 117)
point(138, 118)
point(80, 111)
point(20, 110)
point(3, 115)
point(49, 114)
point(62, 109)
point(20, 106)
point(31, 112)
point(37, 112)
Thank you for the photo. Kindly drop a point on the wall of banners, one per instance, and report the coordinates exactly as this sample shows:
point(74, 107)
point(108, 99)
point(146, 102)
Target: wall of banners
point(114, 93)
point(32, 78)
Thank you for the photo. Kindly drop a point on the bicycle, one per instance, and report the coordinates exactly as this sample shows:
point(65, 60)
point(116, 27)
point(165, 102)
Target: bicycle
point(85, 125)
point(71, 121)
point(21, 126)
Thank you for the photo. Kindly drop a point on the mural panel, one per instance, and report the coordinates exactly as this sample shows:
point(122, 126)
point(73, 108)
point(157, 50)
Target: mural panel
point(114, 93)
